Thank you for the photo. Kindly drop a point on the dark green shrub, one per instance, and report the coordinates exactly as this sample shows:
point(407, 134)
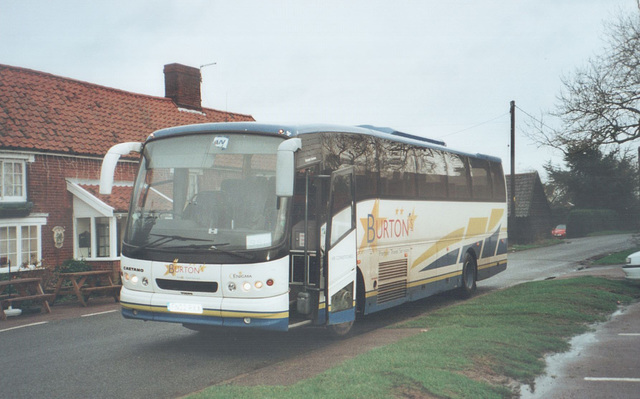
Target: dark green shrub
point(73, 266)
point(582, 222)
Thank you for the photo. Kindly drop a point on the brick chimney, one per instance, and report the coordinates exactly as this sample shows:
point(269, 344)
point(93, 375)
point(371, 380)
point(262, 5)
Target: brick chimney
point(182, 85)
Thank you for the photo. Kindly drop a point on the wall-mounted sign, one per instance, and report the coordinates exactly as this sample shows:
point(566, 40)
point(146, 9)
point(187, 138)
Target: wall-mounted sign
point(58, 236)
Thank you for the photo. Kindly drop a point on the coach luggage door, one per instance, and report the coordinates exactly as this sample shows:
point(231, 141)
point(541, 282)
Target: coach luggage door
point(340, 259)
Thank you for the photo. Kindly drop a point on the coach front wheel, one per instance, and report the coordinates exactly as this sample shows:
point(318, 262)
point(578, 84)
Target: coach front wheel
point(340, 330)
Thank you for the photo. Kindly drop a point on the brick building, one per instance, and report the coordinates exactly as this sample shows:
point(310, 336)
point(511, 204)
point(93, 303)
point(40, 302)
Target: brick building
point(54, 132)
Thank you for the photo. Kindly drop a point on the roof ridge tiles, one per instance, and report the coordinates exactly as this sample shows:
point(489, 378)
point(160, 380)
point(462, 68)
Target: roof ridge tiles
point(60, 116)
point(103, 87)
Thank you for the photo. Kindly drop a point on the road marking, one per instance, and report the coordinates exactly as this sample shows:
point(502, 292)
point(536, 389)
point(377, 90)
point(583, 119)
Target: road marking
point(26, 325)
point(98, 313)
point(629, 334)
point(607, 379)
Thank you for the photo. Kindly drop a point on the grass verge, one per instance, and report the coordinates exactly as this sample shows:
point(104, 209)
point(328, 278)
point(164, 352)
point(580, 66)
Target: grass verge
point(475, 349)
point(610, 232)
point(618, 258)
point(538, 244)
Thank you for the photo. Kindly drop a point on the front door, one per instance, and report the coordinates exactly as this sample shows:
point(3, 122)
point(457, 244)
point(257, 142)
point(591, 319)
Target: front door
point(340, 259)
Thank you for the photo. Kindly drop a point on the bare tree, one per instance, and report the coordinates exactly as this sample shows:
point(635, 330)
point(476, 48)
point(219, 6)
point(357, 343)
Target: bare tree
point(600, 103)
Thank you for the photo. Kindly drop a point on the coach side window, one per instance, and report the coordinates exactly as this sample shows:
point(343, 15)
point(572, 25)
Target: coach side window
point(458, 177)
point(432, 174)
point(397, 170)
point(366, 167)
point(359, 151)
point(480, 179)
point(499, 194)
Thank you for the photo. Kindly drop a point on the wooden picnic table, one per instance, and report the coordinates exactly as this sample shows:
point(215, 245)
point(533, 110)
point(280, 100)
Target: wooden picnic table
point(28, 289)
point(83, 284)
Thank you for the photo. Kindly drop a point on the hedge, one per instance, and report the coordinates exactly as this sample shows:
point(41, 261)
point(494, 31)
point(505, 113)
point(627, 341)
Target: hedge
point(584, 221)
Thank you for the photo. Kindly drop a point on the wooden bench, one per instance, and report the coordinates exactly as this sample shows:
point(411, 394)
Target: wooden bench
point(28, 289)
point(112, 288)
point(84, 284)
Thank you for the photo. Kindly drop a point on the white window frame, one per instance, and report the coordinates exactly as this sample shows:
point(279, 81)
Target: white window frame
point(87, 206)
point(22, 161)
point(18, 224)
point(113, 247)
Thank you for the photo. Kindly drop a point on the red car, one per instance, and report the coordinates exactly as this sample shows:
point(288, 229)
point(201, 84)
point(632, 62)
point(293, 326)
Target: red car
point(560, 231)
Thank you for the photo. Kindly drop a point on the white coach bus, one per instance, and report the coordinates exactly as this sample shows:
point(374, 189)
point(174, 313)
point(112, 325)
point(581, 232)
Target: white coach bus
point(275, 227)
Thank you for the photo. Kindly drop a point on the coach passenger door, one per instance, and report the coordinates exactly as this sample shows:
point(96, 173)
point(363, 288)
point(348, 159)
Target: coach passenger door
point(340, 261)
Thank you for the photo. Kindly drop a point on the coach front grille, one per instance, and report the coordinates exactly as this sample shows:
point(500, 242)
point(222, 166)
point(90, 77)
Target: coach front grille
point(189, 286)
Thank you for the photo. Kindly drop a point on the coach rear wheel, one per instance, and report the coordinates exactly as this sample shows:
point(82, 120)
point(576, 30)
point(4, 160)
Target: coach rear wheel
point(469, 276)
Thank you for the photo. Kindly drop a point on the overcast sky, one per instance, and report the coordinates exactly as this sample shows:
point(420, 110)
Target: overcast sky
point(445, 69)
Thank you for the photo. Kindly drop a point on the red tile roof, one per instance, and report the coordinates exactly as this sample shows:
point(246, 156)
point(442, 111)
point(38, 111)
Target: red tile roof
point(118, 199)
point(44, 112)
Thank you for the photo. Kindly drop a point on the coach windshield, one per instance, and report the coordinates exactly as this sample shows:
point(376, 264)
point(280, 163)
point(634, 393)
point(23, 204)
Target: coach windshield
point(207, 193)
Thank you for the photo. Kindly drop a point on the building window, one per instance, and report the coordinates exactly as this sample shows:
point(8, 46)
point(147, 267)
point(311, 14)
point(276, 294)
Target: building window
point(20, 247)
point(29, 244)
point(94, 239)
point(12, 180)
point(83, 231)
point(121, 223)
point(102, 237)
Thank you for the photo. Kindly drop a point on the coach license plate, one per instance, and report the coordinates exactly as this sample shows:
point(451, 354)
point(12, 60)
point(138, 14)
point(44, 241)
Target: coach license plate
point(193, 308)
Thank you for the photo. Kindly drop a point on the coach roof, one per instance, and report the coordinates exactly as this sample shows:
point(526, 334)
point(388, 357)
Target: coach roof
point(293, 130)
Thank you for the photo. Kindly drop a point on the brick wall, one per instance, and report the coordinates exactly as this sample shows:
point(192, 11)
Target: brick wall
point(47, 189)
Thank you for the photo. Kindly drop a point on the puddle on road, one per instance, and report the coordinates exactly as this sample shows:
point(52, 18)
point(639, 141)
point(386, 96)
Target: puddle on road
point(556, 364)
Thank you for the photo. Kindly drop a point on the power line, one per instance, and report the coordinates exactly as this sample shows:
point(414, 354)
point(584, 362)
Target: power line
point(474, 126)
point(534, 118)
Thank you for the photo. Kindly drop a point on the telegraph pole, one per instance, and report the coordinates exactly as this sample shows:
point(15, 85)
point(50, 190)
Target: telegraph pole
point(512, 197)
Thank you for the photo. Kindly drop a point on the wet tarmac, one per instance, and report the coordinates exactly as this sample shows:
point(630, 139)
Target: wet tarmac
point(603, 363)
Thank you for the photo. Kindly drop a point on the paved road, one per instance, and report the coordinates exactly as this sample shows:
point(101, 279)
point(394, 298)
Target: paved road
point(603, 363)
point(105, 356)
point(549, 262)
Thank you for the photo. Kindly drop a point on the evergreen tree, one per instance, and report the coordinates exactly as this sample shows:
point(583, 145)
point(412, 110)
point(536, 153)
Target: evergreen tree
point(596, 180)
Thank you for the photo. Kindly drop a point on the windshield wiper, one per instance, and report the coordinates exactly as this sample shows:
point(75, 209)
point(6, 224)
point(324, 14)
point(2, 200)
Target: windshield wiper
point(210, 247)
point(179, 238)
point(165, 239)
